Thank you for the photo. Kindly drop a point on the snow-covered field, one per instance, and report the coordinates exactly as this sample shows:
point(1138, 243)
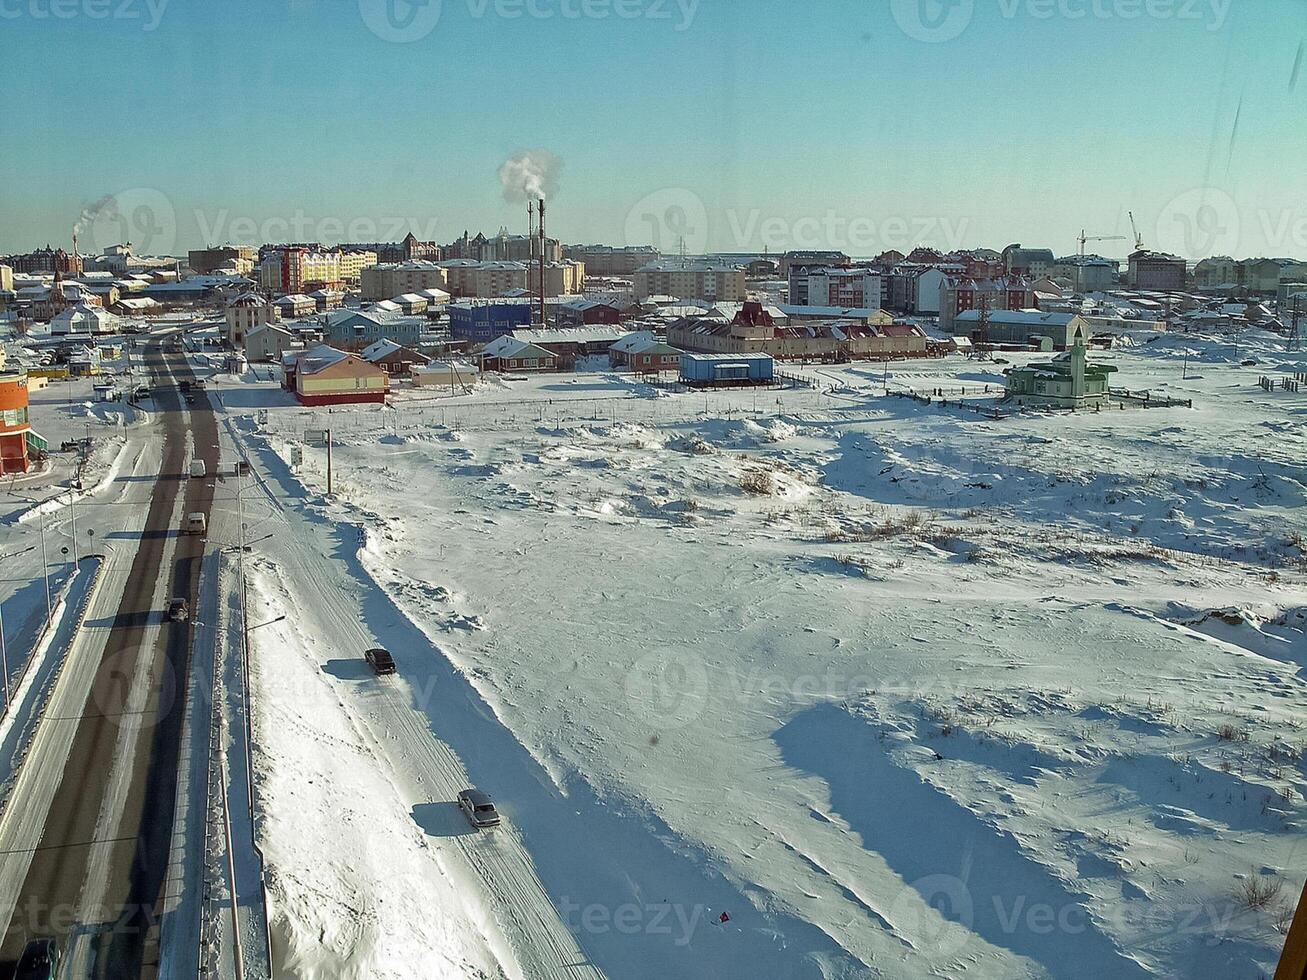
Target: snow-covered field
point(809, 684)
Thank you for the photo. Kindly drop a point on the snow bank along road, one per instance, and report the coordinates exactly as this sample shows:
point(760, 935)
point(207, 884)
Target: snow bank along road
point(492, 872)
point(102, 772)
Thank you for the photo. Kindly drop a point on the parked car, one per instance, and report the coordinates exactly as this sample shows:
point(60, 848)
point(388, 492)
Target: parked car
point(40, 961)
point(380, 660)
point(198, 468)
point(179, 610)
point(196, 523)
point(479, 808)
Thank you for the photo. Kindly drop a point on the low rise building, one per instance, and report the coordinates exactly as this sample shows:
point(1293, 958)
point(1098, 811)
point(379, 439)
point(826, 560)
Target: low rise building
point(84, 318)
point(586, 312)
point(1067, 381)
point(395, 359)
point(244, 313)
point(267, 343)
point(1022, 328)
point(1087, 273)
point(295, 305)
point(352, 330)
point(323, 375)
point(482, 322)
point(726, 370)
point(511, 354)
point(645, 354)
point(16, 440)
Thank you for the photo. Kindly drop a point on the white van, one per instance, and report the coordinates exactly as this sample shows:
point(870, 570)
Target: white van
point(198, 468)
point(196, 523)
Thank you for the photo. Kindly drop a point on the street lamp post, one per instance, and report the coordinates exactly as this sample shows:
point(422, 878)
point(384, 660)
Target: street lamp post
point(4, 652)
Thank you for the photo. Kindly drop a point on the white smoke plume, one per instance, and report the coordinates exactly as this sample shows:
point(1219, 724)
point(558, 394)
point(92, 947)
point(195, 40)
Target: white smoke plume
point(106, 205)
point(529, 175)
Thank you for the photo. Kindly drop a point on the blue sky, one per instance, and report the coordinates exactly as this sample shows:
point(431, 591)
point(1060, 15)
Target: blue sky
point(733, 123)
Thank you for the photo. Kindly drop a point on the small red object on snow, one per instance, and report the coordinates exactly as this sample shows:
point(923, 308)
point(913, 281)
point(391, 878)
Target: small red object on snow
point(724, 917)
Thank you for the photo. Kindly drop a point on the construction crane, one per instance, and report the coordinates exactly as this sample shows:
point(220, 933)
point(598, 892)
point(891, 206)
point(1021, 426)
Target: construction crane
point(1096, 238)
point(1139, 241)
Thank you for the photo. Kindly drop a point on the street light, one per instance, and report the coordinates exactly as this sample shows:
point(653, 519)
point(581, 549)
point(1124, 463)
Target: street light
point(4, 653)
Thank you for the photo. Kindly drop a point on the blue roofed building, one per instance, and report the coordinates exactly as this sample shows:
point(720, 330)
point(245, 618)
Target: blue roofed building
point(483, 322)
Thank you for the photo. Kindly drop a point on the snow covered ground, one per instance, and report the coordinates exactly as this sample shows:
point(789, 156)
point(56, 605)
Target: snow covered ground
point(816, 683)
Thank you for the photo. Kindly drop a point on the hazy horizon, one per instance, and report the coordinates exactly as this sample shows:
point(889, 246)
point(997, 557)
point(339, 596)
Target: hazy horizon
point(853, 126)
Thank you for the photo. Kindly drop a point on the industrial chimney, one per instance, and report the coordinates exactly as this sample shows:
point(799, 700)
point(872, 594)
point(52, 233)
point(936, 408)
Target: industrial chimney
point(543, 242)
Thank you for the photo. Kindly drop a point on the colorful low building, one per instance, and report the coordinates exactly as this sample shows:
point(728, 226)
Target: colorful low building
point(1067, 381)
point(323, 375)
point(15, 429)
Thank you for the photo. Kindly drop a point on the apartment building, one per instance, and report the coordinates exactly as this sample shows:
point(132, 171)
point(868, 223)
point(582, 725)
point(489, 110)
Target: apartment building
point(690, 280)
point(566, 278)
point(960, 294)
point(300, 269)
point(468, 278)
point(605, 260)
point(834, 286)
point(239, 259)
point(1033, 263)
point(1156, 270)
point(395, 279)
point(1087, 273)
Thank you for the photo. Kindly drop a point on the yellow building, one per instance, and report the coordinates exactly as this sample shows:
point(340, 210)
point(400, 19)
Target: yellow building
point(565, 278)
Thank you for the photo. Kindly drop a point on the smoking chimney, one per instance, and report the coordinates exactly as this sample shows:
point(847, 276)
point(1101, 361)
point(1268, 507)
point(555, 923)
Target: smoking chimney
point(543, 242)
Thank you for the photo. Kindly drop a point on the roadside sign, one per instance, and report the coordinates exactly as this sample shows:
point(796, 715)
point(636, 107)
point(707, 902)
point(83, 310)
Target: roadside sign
point(315, 437)
point(296, 456)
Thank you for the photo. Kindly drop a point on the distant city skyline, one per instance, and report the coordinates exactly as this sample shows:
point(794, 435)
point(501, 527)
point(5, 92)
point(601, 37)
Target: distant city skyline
point(852, 126)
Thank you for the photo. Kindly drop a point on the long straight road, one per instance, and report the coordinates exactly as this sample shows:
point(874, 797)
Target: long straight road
point(96, 878)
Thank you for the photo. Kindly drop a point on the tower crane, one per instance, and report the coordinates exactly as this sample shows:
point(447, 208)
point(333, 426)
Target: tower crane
point(1096, 238)
point(1139, 241)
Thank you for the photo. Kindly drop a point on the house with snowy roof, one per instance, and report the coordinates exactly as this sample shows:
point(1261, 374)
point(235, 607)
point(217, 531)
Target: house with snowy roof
point(323, 375)
point(395, 359)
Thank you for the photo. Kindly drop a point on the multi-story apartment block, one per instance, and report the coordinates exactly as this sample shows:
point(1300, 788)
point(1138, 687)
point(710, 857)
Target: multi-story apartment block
point(1156, 270)
point(604, 260)
point(470, 278)
point(566, 278)
point(302, 268)
point(46, 260)
point(237, 258)
point(959, 294)
point(388, 280)
point(852, 286)
point(1087, 273)
point(1033, 263)
point(1215, 272)
point(809, 257)
point(690, 280)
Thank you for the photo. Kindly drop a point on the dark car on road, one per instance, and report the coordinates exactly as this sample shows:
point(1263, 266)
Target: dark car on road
point(179, 610)
point(40, 961)
point(380, 660)
point(479, 808)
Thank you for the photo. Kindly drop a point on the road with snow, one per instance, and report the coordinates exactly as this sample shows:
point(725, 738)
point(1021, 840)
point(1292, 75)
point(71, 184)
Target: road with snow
point(87, 828)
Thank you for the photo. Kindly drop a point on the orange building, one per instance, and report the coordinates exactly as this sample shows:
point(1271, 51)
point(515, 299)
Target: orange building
point(14, 426)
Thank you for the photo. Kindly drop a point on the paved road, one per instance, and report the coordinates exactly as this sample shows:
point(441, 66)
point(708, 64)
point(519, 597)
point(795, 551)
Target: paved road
point(98, 873)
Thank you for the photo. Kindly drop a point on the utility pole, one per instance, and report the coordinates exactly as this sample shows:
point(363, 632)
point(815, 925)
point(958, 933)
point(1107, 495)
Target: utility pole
point(328, 462)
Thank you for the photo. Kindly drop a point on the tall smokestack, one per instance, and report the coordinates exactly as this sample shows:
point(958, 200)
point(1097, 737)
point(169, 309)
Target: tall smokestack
point(543, 241)
point(531, 226)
